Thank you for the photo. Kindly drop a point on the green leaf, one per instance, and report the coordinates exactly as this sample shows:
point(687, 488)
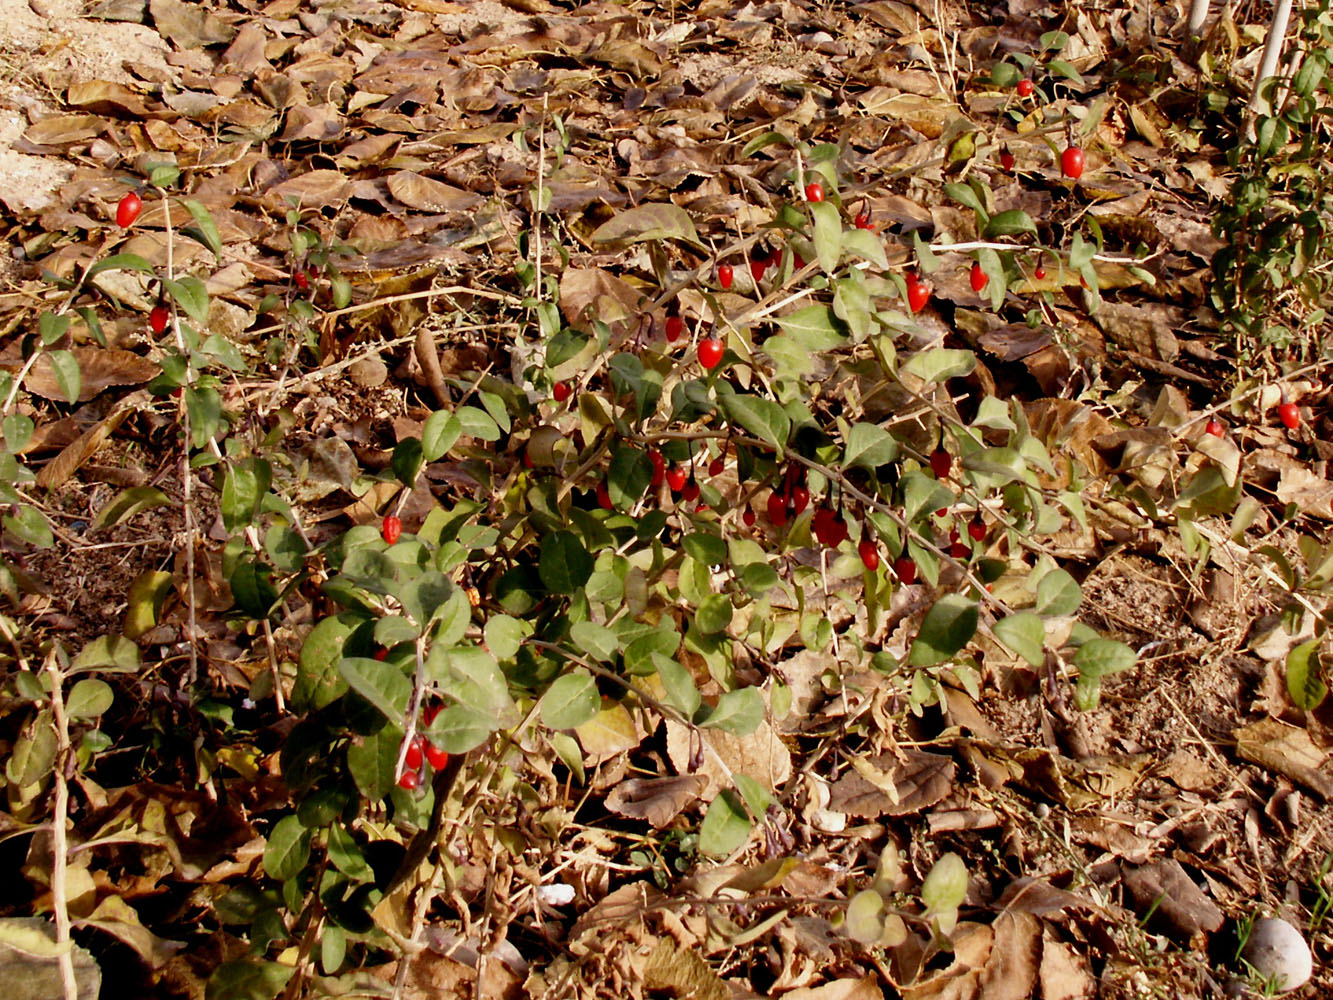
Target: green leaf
point(51, 327)
point(945, 886)
point(18, 430)
point(319, 683)
point(430, 596)
point(737, 712)
point(372, 762)
point(1099, 657)
point(655, 221)
point(29, 525)
point(763, 418)
point(629, 475)
point(1058, 593)
point(726, 826)
point(89, 698)
point(869, 446)
point(678, 686)
point(571, 701)
point(112, 654)
point(714, 614)
point(597, 641)
point(940, 363)
point(346, 855)
point(441, 430)
point(813, 328)
point(757, 797)
point(1005, 74)
point(866, 245)
point(120, 262)
point(34, 753)
point(1025, 634)
point(565, 564)
point(504, 636)
point(248, 979)
point(68, 377)
point(1303, 683)
point(965, 195)
point(128, 503)
point(477, 423)
point(763, 141)
point(381, 684)
point(190, 295)
point(1011, 223)
point(1062, 68)
point(408, 458)
point(828, 234)
point(947, 628)
point(288, 848)
point(243, 489)
point(206, 232)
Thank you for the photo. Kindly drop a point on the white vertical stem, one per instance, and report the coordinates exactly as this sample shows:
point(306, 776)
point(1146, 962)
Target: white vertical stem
point(1277, 33)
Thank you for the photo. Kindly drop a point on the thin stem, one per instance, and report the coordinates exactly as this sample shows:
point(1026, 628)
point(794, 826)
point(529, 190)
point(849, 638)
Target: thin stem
point(59, 844)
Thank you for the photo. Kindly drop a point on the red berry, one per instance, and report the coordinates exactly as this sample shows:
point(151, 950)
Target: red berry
point(409, 780)
point(959, 551)
point(1039, 273)
point(1071, 163)
point(392, 528)
point(430, 711)
point(777, 509)
point(869, 553)
point(1290, 415)
point(978, 277)
point(159, 318)
point(528, 463)
point(829, 527)
point(560, 391)
point(725, 276)
point(690, 492)
point(800, 498)
point(128, 210)
point(1215, 428)
point(716, 466)
point(940, 463)
point(797, 261)
point(1006, 160)
point(659, 467)
point(674, 327)
point(905, 570)
point(814, 191)
point(710, 353)
point(917, 296)
point(748, 517)
point(1025, 88)
point(911, 278)
point(604, 496)
point(862, 220)
point(953, 535)
point(758, 265)
point(412, 760)
point(976, 529)
point(675, 478)
point(436, 757)
point(382, 653)
point(302, 282)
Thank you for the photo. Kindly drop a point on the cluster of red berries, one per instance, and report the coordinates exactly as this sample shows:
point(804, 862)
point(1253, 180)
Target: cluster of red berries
point(421, 754)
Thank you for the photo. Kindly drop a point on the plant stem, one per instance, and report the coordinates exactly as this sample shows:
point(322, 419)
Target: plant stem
point(59, 845)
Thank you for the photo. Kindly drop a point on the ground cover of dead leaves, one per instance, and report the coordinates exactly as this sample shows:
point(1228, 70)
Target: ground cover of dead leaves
point(1195, 787)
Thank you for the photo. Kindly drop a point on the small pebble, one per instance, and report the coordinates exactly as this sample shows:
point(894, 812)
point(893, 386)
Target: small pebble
point(368, 372)
point(1279, 953)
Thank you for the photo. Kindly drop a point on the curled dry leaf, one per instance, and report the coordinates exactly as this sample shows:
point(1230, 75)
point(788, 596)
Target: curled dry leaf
point(656, 800)
point(887, 785)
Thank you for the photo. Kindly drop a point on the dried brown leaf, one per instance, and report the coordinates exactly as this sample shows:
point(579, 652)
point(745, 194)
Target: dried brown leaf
point(100, 368)
point(656, 800)
point(917, 782)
